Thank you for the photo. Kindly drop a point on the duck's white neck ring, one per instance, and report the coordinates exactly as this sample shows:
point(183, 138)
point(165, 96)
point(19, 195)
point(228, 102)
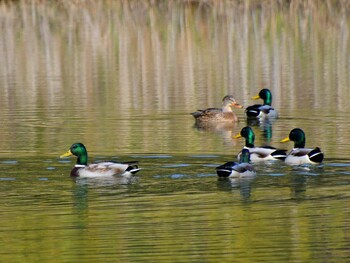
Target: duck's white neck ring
point(79, 165)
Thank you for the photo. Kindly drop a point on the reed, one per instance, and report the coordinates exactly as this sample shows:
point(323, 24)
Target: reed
point(123, 56)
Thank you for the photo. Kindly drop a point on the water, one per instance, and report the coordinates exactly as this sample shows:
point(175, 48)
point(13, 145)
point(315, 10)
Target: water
point(122, 77)
point(175, 209)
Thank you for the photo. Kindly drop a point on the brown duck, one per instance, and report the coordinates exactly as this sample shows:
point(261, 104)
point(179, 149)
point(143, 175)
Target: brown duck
point(225, 114)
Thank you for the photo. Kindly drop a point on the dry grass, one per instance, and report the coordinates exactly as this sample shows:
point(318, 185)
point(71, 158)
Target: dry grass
point(173, 54)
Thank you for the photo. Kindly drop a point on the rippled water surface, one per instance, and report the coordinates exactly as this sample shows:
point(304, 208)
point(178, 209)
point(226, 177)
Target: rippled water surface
point(176, 209)
point(122, 77)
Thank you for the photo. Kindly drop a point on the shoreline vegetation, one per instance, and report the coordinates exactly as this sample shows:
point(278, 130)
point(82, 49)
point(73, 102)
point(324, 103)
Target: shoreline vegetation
point(167, 35)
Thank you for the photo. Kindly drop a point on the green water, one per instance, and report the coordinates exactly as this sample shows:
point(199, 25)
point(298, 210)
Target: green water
point(175, 210)
point(122, 77)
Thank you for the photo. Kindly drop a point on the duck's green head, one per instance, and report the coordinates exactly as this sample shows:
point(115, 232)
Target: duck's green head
point(296, 135)
point(245, 156)
point(79, 150)
point(249, 136)
point(265, 95)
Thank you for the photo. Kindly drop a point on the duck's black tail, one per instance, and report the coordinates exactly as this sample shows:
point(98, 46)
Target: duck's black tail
point(279, 154)
point(316, 155)
point(133, 167)
point(225, 170)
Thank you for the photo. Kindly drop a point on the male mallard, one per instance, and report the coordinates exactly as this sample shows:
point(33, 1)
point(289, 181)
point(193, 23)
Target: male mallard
point(299, 154)
point(262, 111)
point(263, 153)
point(225, 114)
point(82, 169)
point(241, 169)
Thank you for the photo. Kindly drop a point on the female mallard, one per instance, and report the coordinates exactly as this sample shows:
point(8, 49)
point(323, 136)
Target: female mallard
point(225, 114)
point(241, 169)
point(300, 155)
point(263, 153)
point(82, 169)
point(262, 111)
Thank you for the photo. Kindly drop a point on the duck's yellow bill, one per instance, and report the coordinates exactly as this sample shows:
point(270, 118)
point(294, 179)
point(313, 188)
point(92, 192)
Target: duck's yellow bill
point(237, 136)
point(68, 153)
point(256, 97)
point(285, 139)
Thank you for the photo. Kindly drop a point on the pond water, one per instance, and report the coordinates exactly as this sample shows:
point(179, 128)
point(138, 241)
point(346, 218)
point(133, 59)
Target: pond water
point(122, 77)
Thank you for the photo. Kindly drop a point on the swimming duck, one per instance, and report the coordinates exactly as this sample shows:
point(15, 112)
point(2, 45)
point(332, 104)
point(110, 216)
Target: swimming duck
point(82, 169)
point(263, 153)
point(234, 169)
point(262, 111)
point(225, 114)
point(300, 155)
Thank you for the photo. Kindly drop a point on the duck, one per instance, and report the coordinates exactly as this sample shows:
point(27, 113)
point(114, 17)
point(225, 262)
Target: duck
point(299, 154)
point(262, 111)
point(237, 170)
point(225, 114)
point(100, 169)
point(258, 154)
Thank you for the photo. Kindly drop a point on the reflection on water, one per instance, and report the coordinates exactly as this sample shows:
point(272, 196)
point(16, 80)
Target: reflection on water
point(243, 185)
point(131, 72)
point(122, 77)
point(265, 126)
point(164, 216)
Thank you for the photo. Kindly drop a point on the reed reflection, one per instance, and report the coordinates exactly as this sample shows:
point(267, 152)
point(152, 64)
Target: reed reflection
point(114, 59)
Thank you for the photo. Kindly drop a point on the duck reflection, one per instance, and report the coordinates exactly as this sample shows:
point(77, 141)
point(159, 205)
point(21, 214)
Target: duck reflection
point(97, 186)
point(302, 177)
point(224, 129)
point(265, 126)
point(244, 185)
point(298, 187)
point(105, 181)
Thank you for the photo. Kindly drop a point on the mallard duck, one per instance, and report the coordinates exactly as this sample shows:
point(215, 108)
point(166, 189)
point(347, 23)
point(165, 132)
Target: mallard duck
point(82, 169)
point(263, 153)
point(225, 114)
point(241, 169)
point(300, 155)
point(262, 111)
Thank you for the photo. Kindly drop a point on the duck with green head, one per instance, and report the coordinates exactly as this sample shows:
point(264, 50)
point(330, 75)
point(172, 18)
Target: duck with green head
point(83, 169)
point(262, 153)
point(300, 155)
point(262, 111)
point(237, 170)
point(225, 114)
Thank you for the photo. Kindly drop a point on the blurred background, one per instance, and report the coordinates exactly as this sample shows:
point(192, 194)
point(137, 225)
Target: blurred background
point(123, 76)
